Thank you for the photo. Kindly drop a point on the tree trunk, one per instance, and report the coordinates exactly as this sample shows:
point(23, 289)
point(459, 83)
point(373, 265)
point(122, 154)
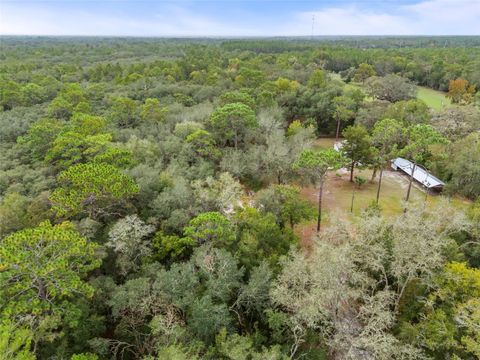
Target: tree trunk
point(351, 170)
point(427, 189)
point(379, 183)
point(42, 291)
point(374, 174)
point(320, 193)
point(353, 197)
point(410, 183)
point(337, 135)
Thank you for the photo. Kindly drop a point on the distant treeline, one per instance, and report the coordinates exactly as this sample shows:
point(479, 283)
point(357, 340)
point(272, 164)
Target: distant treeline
point(428, 61)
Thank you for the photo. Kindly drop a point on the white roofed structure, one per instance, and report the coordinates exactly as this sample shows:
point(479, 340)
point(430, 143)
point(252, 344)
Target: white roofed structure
point(338, 145)
point(420, 175)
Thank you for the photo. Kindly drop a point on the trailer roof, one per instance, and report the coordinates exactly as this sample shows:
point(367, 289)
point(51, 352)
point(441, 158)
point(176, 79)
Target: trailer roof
point(421, 175)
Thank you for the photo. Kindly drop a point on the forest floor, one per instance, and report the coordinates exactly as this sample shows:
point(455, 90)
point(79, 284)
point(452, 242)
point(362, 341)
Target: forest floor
point(324, 143)
point(337, 196)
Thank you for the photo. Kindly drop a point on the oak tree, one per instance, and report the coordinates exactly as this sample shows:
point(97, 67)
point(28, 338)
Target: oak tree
point(231, 121)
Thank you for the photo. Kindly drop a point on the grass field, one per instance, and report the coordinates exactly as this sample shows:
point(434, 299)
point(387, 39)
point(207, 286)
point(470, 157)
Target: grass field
point(338, 194)
point(434, 99)
point(393, 190)
point(337, 198)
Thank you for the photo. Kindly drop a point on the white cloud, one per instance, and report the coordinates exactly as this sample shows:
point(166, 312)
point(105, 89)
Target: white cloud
point(171, 21)
point(347, 21)
point(426, 17)
point(446, 16)
point(431, 17)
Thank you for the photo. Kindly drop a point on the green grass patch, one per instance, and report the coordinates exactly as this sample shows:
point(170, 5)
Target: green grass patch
point(337, 197)
point(338, 191)
point(436, 100)
point(324, 143)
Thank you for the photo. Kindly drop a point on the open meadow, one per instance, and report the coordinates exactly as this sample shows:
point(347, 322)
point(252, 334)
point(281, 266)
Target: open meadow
point(436, 100)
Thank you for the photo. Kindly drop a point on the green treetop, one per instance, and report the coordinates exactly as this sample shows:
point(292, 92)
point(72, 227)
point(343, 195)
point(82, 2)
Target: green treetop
point(357, 147)
point(42, 267)
point(313, 166)
point(387, 136)
point(211, 227)
point(96, 189)
point(418, 149)
point(231, 121)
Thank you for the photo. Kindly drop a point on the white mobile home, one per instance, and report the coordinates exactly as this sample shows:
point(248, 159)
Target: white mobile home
point(420, 175)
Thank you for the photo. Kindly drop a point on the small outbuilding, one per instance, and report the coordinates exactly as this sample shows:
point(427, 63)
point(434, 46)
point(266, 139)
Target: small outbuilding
point(338, 145)
point(420, 175)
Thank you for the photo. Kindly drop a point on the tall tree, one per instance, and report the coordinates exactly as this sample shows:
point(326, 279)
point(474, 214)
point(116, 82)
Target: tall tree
point(334, 301)
point(359, 181)
point(243, 97)
point(128, 238)
point(70, 99)
point(220, 194)
point(285, 202)
point(281, 150)
point(42, 271)
point(260, 238)
point(313, 166)
point(124, 111)
point(409, 112)
point(387, 136)
point(203, 144)
point(462, 166)
point(84, 139)
point(152, 111)
point(40, 137)
point(318, 79)
point(15, 341)
point(343, 111)
point(363, 72)
point(351, 302)
point(212, 228)
point(357, 147)
point(460, 91)
point(94, 189)
point(450, 322)
point(418, 149)
point(390, 87)
point(231, 121)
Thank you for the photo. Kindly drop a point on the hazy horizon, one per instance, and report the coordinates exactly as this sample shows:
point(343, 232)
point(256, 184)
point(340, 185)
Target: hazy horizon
point(215, 37)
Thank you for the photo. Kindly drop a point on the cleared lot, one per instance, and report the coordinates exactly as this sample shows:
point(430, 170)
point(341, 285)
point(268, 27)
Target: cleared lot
point(337, 198)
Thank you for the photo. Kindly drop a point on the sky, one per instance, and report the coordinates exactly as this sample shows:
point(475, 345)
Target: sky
point(184, 18)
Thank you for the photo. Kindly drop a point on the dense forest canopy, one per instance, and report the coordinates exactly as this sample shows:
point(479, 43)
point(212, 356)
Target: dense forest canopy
point(182, 198)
